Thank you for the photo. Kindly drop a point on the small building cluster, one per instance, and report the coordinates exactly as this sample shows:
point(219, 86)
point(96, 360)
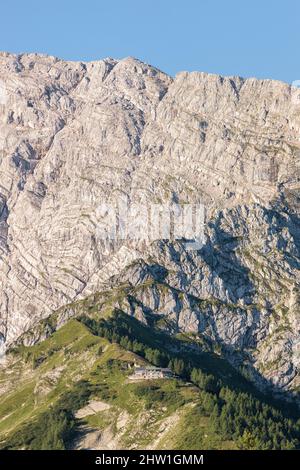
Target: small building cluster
point(147, 373)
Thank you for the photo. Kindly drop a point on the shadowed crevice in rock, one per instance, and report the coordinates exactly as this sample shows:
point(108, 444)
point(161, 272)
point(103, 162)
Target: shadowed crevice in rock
point(221, 258)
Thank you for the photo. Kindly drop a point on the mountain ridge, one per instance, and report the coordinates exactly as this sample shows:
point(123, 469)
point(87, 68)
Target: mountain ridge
point(75, 135)
point(19, 55)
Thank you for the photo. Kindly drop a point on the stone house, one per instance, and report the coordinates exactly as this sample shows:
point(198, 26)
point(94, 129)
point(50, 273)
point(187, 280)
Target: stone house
point(148, 373)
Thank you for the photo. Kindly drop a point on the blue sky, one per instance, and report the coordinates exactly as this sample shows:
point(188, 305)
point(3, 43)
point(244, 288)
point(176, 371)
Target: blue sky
point(247, 38)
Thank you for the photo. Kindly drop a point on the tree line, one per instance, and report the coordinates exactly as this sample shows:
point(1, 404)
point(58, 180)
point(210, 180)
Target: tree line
point(236, 415)
point(54, 428)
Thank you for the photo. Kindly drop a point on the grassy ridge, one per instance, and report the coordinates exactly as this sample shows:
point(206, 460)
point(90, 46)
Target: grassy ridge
point(92, 368)
point(44, 385)
point(238, 412)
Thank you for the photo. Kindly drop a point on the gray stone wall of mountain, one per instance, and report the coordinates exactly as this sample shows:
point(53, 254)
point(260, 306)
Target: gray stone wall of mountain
point(75, 136)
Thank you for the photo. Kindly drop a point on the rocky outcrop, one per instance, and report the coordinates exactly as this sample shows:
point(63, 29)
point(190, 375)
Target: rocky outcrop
point(75, 137)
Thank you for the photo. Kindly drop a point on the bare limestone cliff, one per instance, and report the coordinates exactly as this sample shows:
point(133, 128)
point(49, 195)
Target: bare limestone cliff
point(75, 136)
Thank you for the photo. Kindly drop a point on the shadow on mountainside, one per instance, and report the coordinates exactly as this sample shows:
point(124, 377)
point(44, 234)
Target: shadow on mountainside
point(223, 261)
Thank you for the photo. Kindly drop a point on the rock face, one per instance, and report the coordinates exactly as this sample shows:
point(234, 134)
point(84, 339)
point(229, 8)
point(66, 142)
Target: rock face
point(75, 137)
